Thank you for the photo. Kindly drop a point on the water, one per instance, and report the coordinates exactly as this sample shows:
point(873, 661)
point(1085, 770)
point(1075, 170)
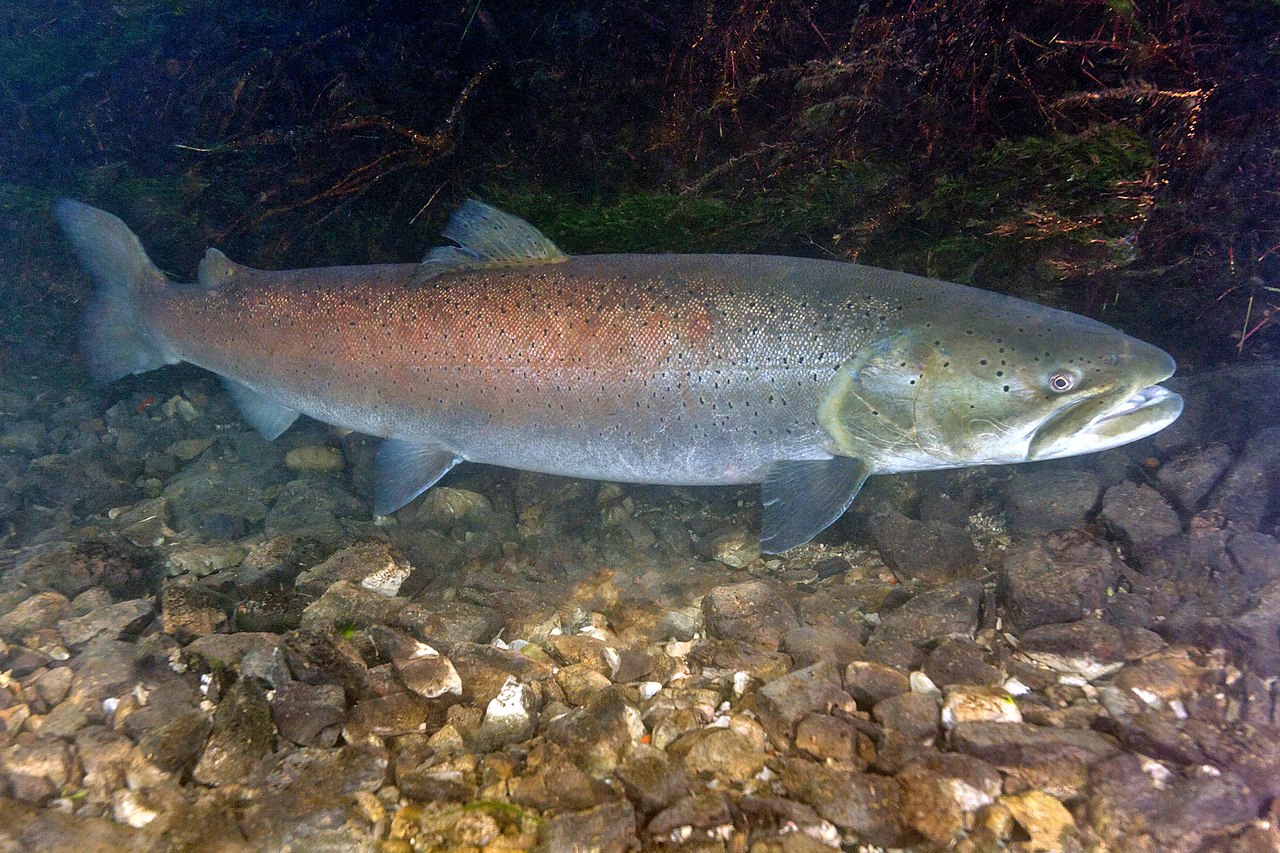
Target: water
point(212, 643)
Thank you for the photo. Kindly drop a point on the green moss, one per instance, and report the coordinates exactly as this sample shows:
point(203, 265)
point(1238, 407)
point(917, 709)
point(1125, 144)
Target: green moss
point(791, 213)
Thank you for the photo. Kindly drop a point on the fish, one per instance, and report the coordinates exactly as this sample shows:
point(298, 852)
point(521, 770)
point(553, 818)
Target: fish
point(804, 375)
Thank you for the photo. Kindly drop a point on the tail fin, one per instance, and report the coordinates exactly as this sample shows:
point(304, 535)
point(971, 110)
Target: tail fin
point(115, 336)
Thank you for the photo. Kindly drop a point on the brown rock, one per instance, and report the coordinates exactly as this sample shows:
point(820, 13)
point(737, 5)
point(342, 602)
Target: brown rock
point(754, 612)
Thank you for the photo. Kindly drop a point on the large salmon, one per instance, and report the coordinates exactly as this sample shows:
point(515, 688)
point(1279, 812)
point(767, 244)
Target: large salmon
point(804, 375)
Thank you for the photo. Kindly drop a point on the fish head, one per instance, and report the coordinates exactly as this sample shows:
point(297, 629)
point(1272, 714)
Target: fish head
point(1004, 381)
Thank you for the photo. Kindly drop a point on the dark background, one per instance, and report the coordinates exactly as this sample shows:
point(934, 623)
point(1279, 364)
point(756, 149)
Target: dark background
point(1121, 159)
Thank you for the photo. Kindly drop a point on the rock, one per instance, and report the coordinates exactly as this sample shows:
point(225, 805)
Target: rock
point(1245, 495)
point(959, 660)
point(580, 682)
point(810, 644)
point(213, 652)
point(1190, 476)
point(38, 830)
point(37, 770)
point(309, 714)
point(484, 670)
point(978, 704)
point(702, 813)
point(913, 715)
point(1254, 635)
point(1089, 648)
point(202, 560)
point(756, 613)
point(584, 649)
point(104, 756)
point(510, 717)
point(1058, 577)
point(444, 623)
point(864, 804)
point(869, 682)
point(221, 494)
point(428, 673)
point(950, 610)
point(1045, 820)
point(1256, 557)
point(189, 610)
point(1055, 760)
point(1042, 499)
point(242, 733)
point(940, 789)
point(176, 746)
point(310, 509)
point(375, 566)
point(599, 735)
point(315, 458)
point(25, 437)
point(552, 781)
point(111, 621)
point(444, 507)
point(53, 684)
point(929, 805)
point(42, 610)
point(649, 780)
point(737, 549)
point(1138, 516)
point(346, 605)
point(677, 625)
point(267, 664)
point(733, 754)
point(930, 550)
point(1138, 804)
point(437, 778)
point(1252, 752)
point(835, 740)
point(387, 716)
point(607, 828)
point(786, 701)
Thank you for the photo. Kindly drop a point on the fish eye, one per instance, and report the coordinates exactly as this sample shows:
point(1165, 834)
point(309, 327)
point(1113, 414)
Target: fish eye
point(1062, 381)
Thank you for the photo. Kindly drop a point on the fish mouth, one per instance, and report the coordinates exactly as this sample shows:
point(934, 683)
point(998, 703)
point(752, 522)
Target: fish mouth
point(1104, 422)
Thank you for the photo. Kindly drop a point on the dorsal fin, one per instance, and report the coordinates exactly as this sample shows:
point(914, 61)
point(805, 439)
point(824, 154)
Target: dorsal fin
point(216, 269)
point(488, 238)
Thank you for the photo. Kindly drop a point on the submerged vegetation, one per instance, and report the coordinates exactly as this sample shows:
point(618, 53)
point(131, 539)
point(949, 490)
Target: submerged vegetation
point(1095, 153)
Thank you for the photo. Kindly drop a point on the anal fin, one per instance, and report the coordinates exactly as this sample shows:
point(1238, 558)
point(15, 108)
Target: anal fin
point(263, 414)
point(406, 470)
point(803, 498)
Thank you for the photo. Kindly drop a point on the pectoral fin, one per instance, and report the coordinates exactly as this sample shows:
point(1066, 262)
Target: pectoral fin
point(803, 498)
point(263, 414)
point(406, 470)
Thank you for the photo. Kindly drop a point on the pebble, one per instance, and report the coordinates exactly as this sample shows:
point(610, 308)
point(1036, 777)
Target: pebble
point(978, 704)
point(316, 458)
point(509, 717)
point(869, 682)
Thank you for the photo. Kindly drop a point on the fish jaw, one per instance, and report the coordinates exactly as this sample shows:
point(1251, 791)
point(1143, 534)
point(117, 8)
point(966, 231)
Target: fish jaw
point(1094, 425)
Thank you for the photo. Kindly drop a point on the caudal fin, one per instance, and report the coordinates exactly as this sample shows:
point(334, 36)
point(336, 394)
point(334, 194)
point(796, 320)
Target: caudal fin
point(114, 336)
